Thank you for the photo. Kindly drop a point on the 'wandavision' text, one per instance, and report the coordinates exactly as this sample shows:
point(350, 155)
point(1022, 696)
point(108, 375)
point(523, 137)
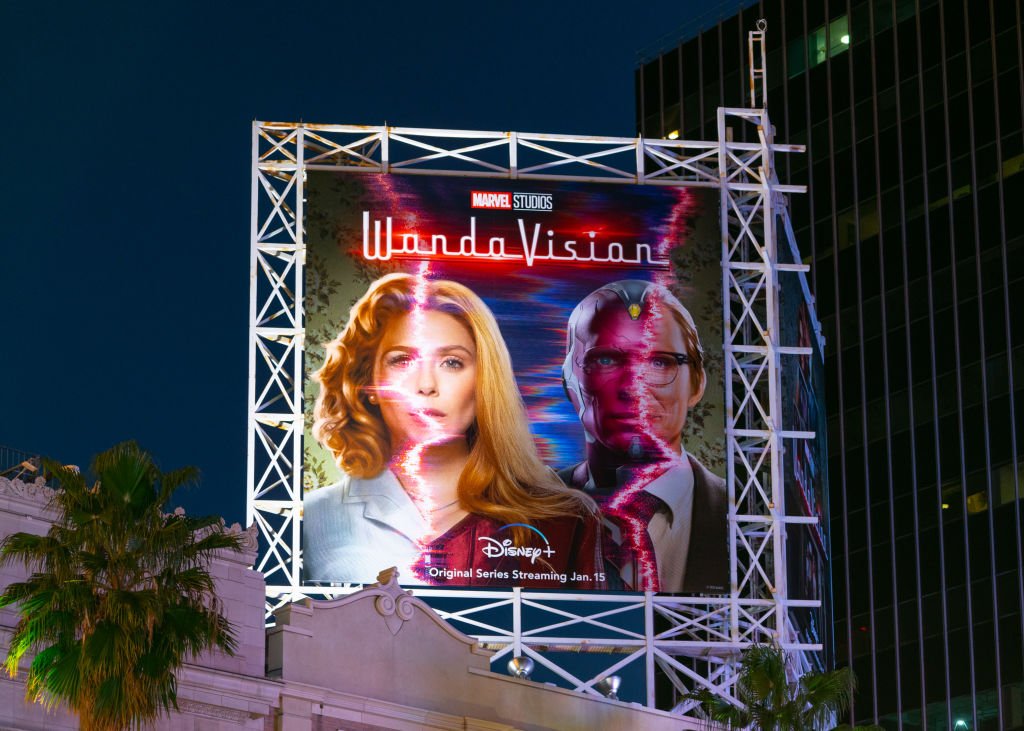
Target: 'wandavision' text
point(531, 246)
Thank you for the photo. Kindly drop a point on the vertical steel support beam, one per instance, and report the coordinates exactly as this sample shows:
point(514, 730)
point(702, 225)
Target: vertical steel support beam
point(728, 376)
point(517, 621)
point(513, 155)
point(639, 142)
point(770, 249)
point(649, 640)
point(299, 345)
point(758, 65)
point(251, 426)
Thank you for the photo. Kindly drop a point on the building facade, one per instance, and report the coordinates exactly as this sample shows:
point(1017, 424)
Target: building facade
point(377, 660)
point(911, 113)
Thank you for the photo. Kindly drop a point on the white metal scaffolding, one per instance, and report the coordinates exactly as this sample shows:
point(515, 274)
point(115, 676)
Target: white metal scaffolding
point(690, 641)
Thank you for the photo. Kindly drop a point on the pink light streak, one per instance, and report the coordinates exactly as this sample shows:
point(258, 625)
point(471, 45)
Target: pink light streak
point(409, 460)
point(635, 529)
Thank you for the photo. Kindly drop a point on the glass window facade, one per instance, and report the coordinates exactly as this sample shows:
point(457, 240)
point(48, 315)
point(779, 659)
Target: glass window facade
point(820, 44)
point(911, 113)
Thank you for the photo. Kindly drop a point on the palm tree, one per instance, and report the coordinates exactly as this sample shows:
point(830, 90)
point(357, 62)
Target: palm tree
point(771, 703)
point(119, 593)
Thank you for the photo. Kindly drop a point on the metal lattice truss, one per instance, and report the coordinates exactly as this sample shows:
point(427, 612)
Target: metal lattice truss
point(687, 642)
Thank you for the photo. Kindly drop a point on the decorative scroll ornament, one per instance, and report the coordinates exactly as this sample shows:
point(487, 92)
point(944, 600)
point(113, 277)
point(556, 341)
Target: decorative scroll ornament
point(37, 490)
point(395, 604)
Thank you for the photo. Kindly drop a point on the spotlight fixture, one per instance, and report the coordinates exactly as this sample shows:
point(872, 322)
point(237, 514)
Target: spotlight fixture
point(521, 667)
point(609, 686)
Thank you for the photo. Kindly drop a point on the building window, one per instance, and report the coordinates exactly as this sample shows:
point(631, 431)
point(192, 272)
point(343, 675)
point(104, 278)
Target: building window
point(820, 44)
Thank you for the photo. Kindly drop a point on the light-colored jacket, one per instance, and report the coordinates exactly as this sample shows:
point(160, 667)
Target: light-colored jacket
point(353, 529)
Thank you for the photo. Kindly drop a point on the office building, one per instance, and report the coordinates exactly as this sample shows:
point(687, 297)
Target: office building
point(911, 114)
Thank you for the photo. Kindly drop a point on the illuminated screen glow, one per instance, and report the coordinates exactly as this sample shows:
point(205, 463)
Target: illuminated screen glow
point(804, 469)
point(467, 339)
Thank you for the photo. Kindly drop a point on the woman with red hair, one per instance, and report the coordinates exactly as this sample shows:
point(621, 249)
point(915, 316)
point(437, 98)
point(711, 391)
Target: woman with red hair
point(419, 407)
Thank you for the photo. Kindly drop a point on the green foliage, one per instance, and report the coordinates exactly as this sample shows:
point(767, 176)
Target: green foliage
point(771, 703)
point(119, 593)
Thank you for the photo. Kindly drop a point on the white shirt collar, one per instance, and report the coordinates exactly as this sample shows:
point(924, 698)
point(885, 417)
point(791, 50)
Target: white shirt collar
point(387, 501)
point(674, 486)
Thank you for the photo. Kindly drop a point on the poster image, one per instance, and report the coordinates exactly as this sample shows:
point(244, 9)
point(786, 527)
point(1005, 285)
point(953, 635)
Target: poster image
point(513, 383)
point(806, 479)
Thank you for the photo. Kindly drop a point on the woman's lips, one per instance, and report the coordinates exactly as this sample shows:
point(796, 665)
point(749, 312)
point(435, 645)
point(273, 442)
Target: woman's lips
point(428, 413)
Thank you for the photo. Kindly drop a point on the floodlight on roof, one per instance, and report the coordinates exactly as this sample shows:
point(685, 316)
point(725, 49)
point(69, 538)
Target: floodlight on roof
point(608, 686)
point(520, 666)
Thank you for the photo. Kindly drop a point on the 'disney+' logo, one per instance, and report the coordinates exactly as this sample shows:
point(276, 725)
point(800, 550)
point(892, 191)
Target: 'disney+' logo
point(494, 548)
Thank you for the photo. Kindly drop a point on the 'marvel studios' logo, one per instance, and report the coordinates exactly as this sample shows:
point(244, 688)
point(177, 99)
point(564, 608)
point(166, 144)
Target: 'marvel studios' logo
point(508, 201)
point(495, 548)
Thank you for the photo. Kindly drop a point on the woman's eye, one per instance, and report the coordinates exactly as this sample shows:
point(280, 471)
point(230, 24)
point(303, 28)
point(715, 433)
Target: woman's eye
point(398, 360)
point(452, 363)
point(660, 362)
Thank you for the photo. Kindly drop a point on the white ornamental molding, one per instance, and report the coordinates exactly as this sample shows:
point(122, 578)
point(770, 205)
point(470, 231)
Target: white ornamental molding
point(393, 603)
point(36, 491)
point(196, 708)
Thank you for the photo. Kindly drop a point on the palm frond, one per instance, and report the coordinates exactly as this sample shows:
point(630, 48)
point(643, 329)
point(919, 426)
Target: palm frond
point(720, 710)
point(771, 702)
point(827, 694)
point(120, 593)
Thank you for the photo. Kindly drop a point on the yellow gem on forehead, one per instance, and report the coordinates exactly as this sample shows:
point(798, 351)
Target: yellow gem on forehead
point(634, 311)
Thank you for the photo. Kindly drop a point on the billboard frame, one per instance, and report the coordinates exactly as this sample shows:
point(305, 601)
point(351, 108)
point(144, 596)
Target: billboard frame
point(694, 640)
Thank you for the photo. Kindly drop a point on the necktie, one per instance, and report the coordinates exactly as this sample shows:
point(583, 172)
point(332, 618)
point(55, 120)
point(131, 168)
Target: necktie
point(633, 555)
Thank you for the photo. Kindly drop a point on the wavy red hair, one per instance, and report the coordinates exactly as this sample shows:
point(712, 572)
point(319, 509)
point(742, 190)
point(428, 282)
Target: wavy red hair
point(504, 478)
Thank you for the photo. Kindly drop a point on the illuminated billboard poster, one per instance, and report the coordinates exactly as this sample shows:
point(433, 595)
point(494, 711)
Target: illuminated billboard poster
point(513, 383)
point(806, 480)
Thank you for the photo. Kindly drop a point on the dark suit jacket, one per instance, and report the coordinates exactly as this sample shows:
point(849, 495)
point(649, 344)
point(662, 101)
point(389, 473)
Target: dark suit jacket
point(707, 561)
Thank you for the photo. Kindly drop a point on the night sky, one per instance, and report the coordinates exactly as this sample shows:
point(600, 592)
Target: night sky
point(125, 246)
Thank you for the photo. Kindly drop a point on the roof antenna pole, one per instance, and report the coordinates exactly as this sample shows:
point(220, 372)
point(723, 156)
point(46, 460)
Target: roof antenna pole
point(758, 65)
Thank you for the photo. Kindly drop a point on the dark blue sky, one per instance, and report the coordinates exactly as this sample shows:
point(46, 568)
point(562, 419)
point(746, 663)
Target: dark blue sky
point(124, 297)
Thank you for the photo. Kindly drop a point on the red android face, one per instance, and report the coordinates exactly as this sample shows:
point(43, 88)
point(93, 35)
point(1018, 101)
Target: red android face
point(633, 369)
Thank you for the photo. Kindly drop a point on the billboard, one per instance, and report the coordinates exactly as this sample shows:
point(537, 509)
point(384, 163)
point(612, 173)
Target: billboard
point(513, 383)
point(806, 479)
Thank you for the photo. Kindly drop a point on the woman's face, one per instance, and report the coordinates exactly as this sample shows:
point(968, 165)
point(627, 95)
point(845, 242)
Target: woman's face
point(424, 378)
